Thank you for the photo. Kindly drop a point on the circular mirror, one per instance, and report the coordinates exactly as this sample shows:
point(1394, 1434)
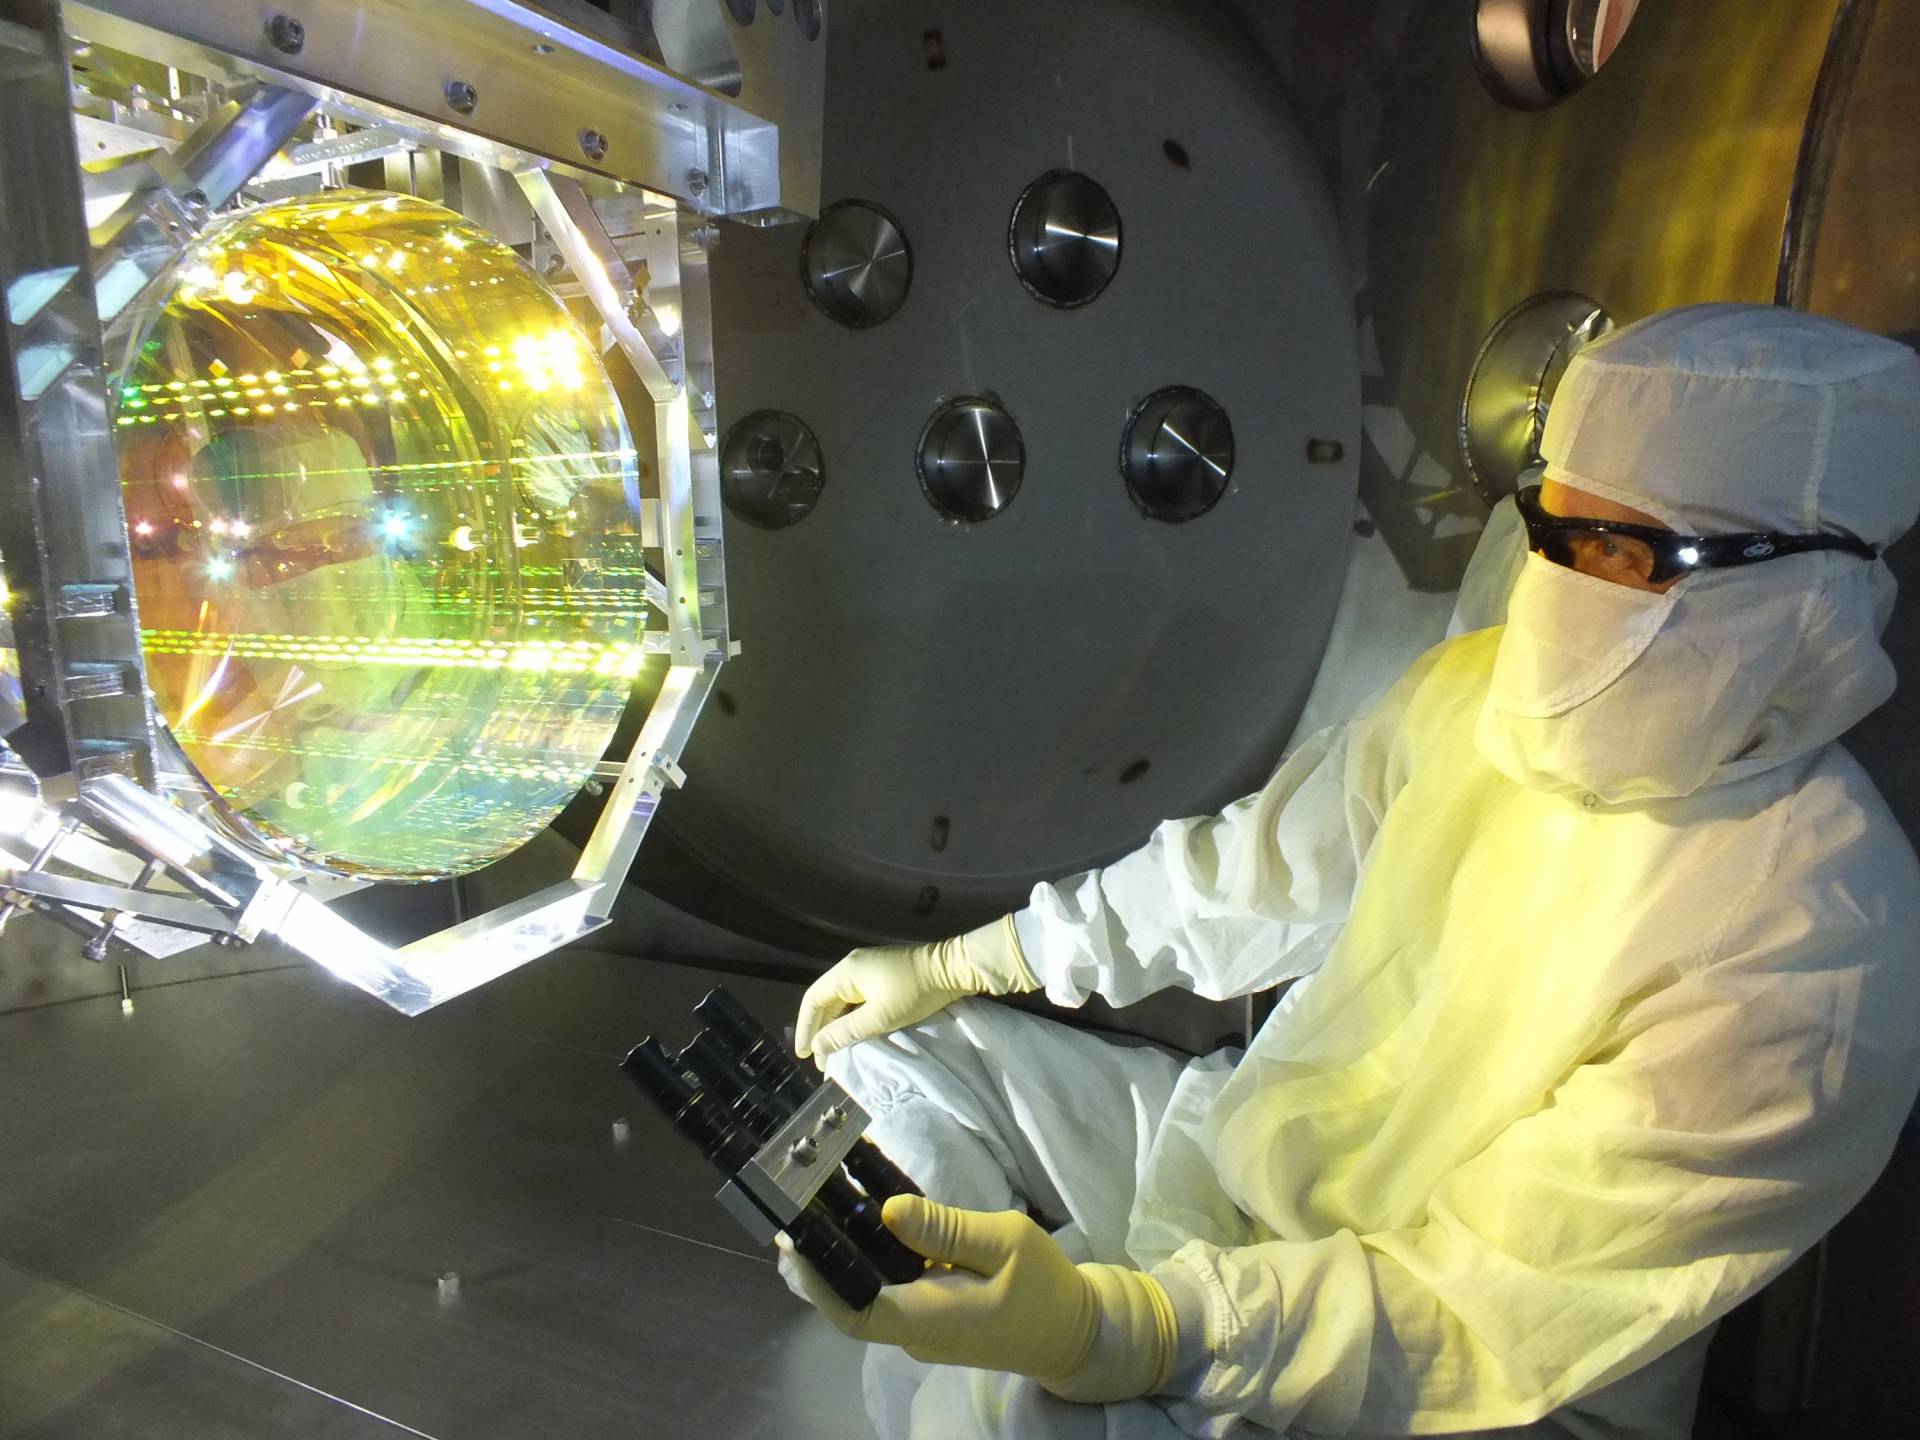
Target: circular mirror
point(383, 510)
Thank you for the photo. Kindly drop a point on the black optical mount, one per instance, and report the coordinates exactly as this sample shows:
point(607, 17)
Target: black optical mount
point(789, 1146)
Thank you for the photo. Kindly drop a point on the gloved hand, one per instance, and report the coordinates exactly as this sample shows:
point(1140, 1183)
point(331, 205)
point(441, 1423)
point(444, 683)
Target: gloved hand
point(1011, 1301)
point(888, 987)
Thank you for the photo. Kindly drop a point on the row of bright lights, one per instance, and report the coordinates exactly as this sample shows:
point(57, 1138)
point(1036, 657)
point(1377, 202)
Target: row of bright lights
point(312, 748)
point(559, 657)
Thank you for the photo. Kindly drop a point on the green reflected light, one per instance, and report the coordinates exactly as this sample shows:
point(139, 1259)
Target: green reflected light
point(384, 514)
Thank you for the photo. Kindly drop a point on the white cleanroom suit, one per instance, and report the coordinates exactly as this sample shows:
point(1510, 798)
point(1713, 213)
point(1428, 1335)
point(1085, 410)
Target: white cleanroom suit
point(1615, 1003)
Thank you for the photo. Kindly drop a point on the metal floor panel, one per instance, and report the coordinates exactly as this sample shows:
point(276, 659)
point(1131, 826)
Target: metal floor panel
point(277, 1167)
point(79, 1369)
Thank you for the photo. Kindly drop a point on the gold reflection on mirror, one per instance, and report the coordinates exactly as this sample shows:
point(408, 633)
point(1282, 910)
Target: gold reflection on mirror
point(384, 516)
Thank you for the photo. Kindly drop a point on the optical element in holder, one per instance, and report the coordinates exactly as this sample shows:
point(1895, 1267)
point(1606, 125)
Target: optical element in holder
point(1176, 454)
point(1535, 53)
point(856, 264)
point(1504, 411)
point(970, 459)
point(771, 473)
point(382, 505)
point(1064, 239)
point(789, 1169)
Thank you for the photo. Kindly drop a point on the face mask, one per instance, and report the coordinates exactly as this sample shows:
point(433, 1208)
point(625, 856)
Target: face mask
point(1604, 690)
point(1581, 695)
point(1570, 636)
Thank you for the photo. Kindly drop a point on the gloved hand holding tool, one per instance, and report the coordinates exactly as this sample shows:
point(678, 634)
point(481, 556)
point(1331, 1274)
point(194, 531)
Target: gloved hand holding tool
point(1004, 1296)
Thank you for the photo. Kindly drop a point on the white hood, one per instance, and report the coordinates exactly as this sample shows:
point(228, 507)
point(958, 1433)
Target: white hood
point(1714, 418)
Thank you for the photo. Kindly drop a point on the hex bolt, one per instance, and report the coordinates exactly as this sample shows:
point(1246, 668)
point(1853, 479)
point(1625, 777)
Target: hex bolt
point(697, 182)
point(461, 96)
point(593, 145)
point(286, 34)
point(803, 1152)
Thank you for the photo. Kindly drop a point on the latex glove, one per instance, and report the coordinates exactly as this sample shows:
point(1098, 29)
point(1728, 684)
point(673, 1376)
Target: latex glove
point(885, 988)
point(1011, 1300)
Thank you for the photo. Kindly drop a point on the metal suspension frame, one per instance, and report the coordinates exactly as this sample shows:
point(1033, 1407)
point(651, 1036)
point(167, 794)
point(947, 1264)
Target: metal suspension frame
point(88, 735)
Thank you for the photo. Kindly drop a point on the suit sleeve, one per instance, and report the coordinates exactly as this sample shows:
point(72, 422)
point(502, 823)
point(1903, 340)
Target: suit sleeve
point(1234, 902)
point(1730, 1120)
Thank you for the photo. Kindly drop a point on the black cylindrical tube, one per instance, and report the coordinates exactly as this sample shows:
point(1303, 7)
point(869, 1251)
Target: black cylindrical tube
point(859, 1215)
point(710, 1060)
point(764, 1057)
point(790, 1086)
point(714, 1061)
point(878, 1176)
point(839, 1259)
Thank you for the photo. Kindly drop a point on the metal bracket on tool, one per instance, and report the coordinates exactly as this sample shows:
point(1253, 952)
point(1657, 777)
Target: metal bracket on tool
point(788, 1171)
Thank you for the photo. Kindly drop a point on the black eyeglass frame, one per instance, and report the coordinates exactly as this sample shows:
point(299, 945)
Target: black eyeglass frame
point(1710, 552)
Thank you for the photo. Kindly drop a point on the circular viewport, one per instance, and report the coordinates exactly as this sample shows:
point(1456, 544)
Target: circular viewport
point(1535, 53)
point(971, 459)
point(1064, 238)
point(1176, 453)
point(771, 473)
point(856, 264)
point(1504, 411)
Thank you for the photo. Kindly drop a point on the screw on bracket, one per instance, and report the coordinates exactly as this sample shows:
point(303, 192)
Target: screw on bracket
point(593, 145)
point(461, 96)
point(286, 34)
point(697, 182)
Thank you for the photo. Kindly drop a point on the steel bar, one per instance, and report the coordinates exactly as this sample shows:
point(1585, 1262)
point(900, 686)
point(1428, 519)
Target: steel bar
point(62, 533)
point(541, 88)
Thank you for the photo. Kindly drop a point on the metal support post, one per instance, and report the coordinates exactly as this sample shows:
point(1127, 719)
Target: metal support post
point(157, 222)
point(63, 540)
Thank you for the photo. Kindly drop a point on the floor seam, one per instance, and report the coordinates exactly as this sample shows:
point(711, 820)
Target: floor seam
point(192, 1339)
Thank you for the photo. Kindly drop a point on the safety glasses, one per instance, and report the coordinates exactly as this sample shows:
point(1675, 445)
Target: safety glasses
point(1614, 550)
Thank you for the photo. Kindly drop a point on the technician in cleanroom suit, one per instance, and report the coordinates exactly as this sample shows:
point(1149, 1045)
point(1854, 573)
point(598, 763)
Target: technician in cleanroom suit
point(1615, 987)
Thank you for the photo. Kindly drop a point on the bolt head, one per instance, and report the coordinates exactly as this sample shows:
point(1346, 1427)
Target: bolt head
point(286, 34)
point(593, 145)
point(461, 96)
point(697, 182)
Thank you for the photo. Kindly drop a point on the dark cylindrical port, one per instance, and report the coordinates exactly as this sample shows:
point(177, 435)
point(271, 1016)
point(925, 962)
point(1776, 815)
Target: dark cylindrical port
point(1064, 238)
point(856, 263)
point(771, 473)
point(970, 459)
point(1176, 453)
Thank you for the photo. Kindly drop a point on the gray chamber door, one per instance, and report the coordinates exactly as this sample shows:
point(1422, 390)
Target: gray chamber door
point(1043, 449)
